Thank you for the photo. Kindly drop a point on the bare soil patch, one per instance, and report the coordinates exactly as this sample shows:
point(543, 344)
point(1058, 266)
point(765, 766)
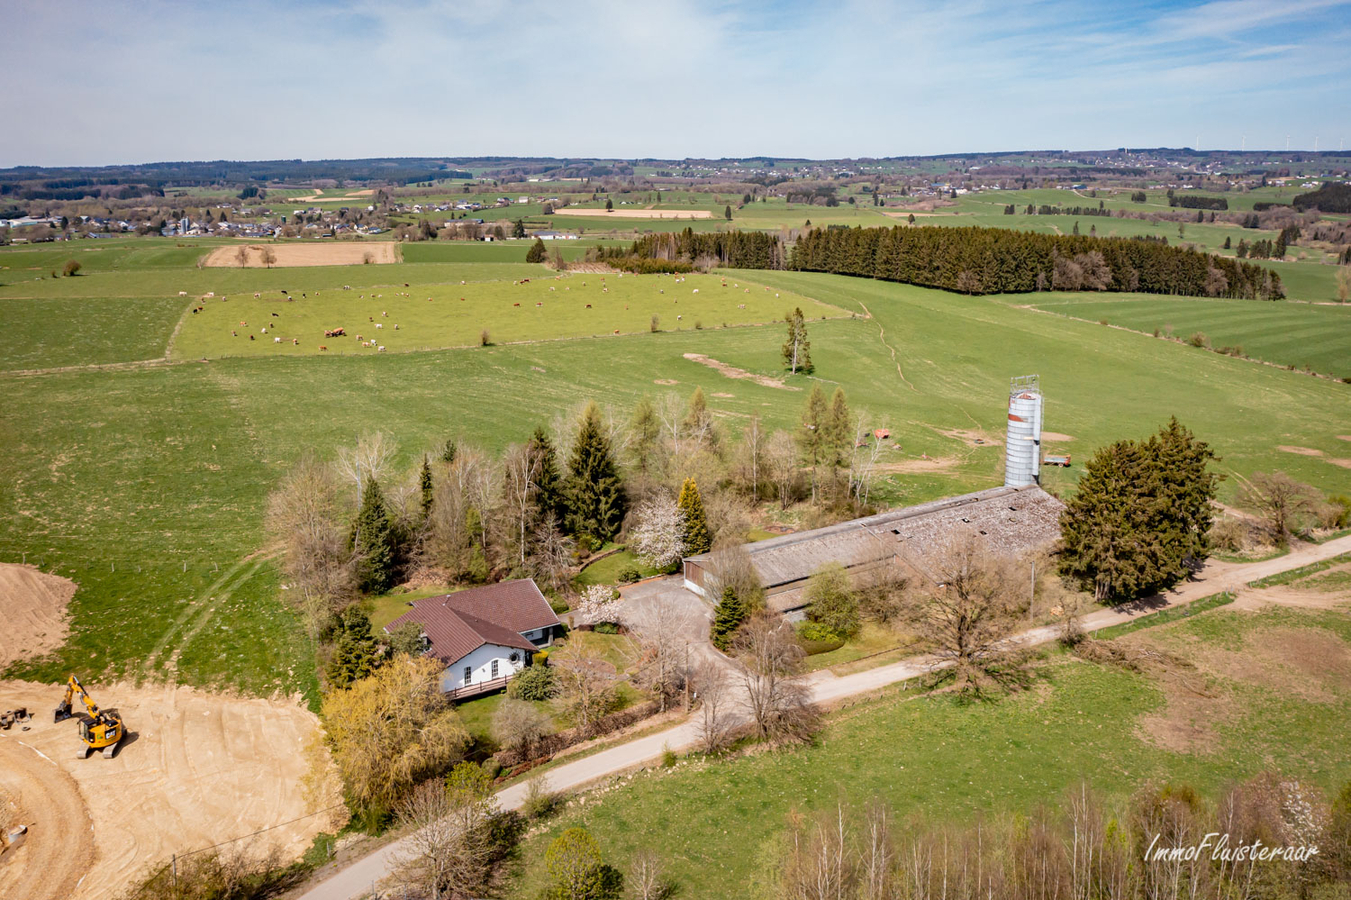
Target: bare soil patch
point(196, 769)
point(1307, 662)
point(637, 213)
point(970, 436)
point(345, 253)
point(730, 371)
point(1055, 436)
point(33, 608)
point(1344, 437)
point(920, 465)
point(666, 381)
point(1299, 451)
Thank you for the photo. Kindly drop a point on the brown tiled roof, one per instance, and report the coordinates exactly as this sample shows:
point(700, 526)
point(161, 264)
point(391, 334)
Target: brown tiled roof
point(458, 624)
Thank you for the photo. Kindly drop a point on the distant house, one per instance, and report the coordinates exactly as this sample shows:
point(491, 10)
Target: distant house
point(1009, 521)
point(484, 635)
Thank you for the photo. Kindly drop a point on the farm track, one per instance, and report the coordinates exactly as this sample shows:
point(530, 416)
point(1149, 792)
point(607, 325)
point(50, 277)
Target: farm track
point(824, 688)
point(98, 367)
point(199, 612)
point(882, 336)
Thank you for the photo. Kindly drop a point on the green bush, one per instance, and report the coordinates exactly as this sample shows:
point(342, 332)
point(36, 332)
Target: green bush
point(831, 601)
point(817, 638)
point(491, 767)
point(628, 575)
point(1342, 515)
point(558, 605)
point(533, 683)
point(606, 628)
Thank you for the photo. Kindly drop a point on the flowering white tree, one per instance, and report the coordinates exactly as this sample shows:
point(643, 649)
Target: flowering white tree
point(659, 539)
point(599, 603)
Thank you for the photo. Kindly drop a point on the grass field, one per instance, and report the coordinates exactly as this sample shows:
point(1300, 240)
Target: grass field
point(1289, 334)
point(714, 824)
point(433, 316)
point(148, 485)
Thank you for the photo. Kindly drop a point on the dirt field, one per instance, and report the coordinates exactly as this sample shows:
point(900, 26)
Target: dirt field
point(195, 769)
point(352, 196)
point(33, 608)
point(346, 253)
point(637, 213)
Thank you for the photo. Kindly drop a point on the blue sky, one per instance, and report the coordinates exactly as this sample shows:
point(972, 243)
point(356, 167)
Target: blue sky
point(113, 82)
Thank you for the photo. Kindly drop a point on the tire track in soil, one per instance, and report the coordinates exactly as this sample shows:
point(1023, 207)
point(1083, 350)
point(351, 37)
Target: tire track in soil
point(882, 335)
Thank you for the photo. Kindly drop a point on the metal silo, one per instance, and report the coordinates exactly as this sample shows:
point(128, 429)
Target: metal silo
point(1022, 451)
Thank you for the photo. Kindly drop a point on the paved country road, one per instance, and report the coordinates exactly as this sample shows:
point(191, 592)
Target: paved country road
point(356, 879)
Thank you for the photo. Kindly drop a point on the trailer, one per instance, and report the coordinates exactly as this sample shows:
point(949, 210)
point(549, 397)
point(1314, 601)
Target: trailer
point(1062, 461)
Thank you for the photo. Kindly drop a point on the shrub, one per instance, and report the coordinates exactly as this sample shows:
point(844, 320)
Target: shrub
point(1342, 510)
point(1229, 534)
point(484, 338)
point(537, 682)
point(71, 267)
point(606, 628)
point(539, 801)
point(831, 601)
point(1198, 339)
point(629, 574)
point(492, 767)
point(559, 605)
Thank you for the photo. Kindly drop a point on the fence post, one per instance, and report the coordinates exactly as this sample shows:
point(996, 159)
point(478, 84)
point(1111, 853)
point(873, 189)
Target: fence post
point(173, 880)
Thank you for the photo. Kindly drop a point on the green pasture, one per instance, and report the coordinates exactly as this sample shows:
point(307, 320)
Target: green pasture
point(715, 824)
point(1290, 334)
point(148, 485)
point(433, 316)
point(67, 331)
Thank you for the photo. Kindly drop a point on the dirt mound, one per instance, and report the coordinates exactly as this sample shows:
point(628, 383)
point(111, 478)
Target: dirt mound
point(347, 253)
point(195, 769)
point(33, 608)
point(729, 371)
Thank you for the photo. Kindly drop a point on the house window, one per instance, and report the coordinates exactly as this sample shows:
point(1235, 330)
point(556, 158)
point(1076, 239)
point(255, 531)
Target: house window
point(494, 670)
point(515, 657)
point(468, 674)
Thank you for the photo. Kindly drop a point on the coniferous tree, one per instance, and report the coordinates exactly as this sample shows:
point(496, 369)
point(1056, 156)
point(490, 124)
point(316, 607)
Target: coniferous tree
point(698, 422)
point(1279, 252)
point(354, 657)
point(727, 213)
point(1141, 515)
point(448, 452)
point(727, 618)
point(425, 483)
point(548, 483)
point(595, 495)
point(518, 229)
point(812, 434)
point(537, 252)
point(645, 432)
point(797, 349)
point(838, 432)
point(373, 542)
point(697, 538)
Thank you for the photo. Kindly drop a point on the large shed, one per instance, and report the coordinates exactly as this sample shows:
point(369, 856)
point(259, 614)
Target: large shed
point(1011, 520)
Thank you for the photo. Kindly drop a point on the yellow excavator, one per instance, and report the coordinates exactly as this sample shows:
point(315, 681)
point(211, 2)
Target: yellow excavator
point(100, 729)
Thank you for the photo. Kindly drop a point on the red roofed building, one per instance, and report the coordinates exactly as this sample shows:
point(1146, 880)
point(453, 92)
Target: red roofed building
point(483, 635)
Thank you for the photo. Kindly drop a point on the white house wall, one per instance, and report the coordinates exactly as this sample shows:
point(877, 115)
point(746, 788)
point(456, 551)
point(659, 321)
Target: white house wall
point(481, 661)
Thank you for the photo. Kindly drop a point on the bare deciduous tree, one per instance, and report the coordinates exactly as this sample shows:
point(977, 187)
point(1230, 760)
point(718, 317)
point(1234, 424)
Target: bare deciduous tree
point(661, 630)
point(781, 463)
point(588, 684)
point(863, 460)
point(520, 471)
point(751, 456)
point(445, 853)
point(269, 257)
point(769, 661)
point(716, 723)
point(365, 461)
point(307, 515)
point(518, 725)
point(967, 609)
point(729, 565)
point(646, 880)
point(1286, 506)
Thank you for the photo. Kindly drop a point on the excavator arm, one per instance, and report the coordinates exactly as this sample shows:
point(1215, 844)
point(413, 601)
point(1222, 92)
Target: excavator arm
point(100, 729)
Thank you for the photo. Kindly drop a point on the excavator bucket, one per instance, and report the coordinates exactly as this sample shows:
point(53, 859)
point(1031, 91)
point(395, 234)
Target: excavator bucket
point(62, 712)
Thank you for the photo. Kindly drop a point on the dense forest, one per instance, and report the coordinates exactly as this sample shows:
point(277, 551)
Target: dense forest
point(1330, 198)
point(737, 249)
point(996, 261)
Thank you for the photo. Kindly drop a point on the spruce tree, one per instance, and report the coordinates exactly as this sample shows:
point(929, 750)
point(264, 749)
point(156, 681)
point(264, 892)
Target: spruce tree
point(354, 657)
point(373, 543)
point(797, 349)
point(727, 618)
point(811, 437)
point(448, 451)
point(727, 213)
point(595, 496)
point(425, 482)
point(697, 539)
point(518, 229)
point(645, 433)
point(838, 431)
point(1279, 252)
point(698, 422)
point(537, 252)
point(548, 483)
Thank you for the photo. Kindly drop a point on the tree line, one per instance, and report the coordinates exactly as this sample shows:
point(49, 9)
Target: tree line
point(976, 260)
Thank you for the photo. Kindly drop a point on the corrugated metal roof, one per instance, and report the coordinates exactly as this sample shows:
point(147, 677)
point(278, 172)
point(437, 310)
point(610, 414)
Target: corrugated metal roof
point(1011, 519)
point(457, 624)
